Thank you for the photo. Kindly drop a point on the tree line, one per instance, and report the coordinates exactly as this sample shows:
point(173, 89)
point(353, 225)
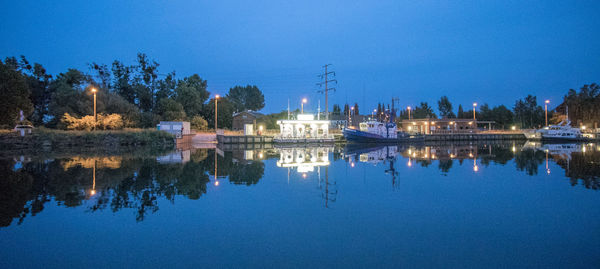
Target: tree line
point(138, 93)
point(583, 106)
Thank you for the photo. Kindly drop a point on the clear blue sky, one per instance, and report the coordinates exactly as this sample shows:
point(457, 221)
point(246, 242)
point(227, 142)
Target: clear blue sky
point(483, 51)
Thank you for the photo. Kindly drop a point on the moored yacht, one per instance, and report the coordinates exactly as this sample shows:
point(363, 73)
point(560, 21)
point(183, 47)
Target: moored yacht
point(561, 131)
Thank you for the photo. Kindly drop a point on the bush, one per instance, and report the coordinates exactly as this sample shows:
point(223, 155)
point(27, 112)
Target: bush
point(87, 123)
point(198, 123)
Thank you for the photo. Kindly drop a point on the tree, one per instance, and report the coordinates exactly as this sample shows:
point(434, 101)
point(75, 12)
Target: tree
point(461, 113)
point(346, 110)
point(423, 111)
point(225, 110)
point(38, 82)
point(528, 113)
point(445, 107)
point(584, 106)
point(169, 110)
point(503, 116)
point(336, 110)
point(122, 81)
point(14, 95)
point(69, 95)
point(246, 98)
point(191, 93)
point(356, 109)
point(198, 123)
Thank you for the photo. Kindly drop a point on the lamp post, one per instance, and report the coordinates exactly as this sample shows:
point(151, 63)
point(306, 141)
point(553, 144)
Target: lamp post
point(94, 90)
point(546, 110)
point(216, 111)
point(474, 107)
point(408, 108)
point(373, 113)
point(350, 115)
point(302, 105)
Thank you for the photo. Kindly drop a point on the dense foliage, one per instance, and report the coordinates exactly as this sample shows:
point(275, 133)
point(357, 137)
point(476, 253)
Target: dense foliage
point(138, 93)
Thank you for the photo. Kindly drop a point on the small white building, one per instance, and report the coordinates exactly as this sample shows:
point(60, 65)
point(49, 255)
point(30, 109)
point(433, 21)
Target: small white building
point(178, 128)
point(303, 129)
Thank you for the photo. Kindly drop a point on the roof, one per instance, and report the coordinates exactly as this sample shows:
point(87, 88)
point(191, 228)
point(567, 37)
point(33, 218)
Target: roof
point(253, 113)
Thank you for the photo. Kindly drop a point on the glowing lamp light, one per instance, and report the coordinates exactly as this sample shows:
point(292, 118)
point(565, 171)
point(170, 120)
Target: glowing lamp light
point(475, 168)
point(409, 163)
point(474, 104)
point(304, 175)
point(304, 100)
point(94, 90)
point(351, 164)
point(93, 192)
point(547, 101)
point(217, 183)
point(217, 96)
point(513, 127)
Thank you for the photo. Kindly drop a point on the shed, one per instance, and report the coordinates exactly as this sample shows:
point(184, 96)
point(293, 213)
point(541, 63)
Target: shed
point(240, 119)
point(178, 128)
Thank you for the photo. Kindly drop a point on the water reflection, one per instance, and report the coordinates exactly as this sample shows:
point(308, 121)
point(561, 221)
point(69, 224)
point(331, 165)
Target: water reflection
point(114, 183)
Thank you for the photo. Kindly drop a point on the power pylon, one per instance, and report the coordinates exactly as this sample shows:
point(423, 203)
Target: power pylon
point(325, 81)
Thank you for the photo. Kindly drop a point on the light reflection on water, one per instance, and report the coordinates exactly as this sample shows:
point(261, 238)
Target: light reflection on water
point(351, 187)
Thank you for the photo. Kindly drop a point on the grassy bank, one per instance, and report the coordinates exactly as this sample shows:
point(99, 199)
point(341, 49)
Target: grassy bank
point(58, 140)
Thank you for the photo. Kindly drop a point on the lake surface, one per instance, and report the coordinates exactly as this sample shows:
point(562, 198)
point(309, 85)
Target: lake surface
point(509, 204)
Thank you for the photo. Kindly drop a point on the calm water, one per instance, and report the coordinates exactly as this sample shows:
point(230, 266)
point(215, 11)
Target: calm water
point(453, 205)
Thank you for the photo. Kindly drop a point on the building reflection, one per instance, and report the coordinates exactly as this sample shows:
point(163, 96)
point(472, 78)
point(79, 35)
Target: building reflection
point(137, 182)
point(310, 161)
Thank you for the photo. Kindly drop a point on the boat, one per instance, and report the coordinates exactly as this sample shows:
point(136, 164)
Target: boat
point(559, 132)
point(372, 131)
point(563, 131)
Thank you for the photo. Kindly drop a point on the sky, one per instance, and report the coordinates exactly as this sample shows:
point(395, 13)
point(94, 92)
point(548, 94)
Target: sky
point(491, 52)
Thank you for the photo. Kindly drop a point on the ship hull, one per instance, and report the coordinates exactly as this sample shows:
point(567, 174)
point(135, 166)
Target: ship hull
point(357, 136)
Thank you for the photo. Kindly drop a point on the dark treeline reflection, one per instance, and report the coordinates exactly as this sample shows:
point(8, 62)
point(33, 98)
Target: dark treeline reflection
point(580, 162)
point(115, 182)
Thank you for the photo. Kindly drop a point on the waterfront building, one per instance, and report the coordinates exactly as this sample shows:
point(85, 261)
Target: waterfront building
point(304, 129)
point(443, 126)
point(241, 119)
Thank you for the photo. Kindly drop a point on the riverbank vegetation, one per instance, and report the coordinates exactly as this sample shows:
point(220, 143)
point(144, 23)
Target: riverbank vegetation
point(138, 94)
point(44, 139)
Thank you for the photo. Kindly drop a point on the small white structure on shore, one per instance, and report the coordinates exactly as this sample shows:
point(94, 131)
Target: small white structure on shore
point(178, 128)
point(303, 129)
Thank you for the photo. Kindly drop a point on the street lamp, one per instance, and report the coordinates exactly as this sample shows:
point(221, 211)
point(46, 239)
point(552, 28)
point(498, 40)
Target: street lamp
point(546, 110)
point(408, 108)
point(350, 115)
point(373, 113)
point(216, 111)
point(302, 105)
point(94, 90)
point(474, 107)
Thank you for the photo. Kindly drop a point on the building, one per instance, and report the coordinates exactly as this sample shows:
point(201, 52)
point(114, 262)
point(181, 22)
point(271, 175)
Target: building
point(178, 128)
point(304, 129)
point(444, 126)
point(241, 119)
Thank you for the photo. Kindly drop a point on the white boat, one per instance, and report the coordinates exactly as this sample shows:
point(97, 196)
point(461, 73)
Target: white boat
point(561, 131)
